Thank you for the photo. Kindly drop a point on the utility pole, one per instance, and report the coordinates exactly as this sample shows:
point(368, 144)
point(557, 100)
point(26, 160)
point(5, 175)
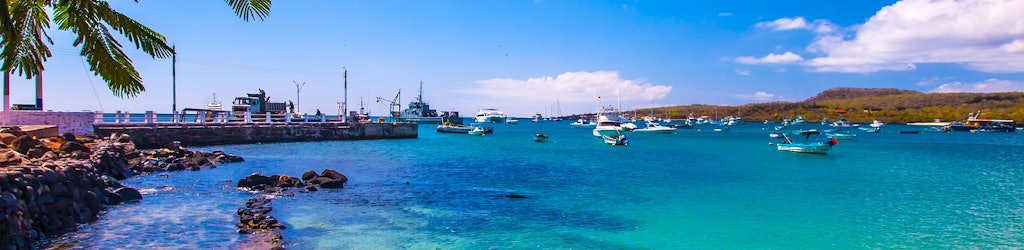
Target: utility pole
point(298, 100)
point(174, 80)
point(344, 114)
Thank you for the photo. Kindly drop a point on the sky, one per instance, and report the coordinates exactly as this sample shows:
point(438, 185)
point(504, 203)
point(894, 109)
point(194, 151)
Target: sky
point(549, 56)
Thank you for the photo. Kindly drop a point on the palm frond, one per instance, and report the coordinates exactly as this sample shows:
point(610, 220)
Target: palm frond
point(250, 9)
point(24, 48)
point(144, 38)
point(103, 53)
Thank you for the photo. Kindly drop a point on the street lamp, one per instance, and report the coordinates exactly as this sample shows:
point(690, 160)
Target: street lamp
point(298, 100)
point(344, 111)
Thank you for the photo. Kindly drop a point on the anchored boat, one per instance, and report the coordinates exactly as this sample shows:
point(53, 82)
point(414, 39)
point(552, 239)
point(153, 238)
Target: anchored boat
point(811, 145)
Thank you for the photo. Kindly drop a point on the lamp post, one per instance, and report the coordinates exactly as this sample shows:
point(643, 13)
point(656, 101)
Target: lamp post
point(298, 99)
point(344, 111)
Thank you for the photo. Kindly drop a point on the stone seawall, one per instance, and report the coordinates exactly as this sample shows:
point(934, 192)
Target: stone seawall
point(157, 135)
point(78, 123)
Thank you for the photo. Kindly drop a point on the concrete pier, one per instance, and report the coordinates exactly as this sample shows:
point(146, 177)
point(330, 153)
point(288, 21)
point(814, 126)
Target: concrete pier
point(155, 135)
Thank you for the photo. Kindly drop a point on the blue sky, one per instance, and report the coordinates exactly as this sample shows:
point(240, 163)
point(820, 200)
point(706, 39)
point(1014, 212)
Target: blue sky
point(523, 56)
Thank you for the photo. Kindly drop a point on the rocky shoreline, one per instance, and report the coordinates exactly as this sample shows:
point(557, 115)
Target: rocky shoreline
point(255, 217)
point(50, 185)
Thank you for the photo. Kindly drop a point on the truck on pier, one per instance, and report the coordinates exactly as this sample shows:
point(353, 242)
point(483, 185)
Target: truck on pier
point(257, 103)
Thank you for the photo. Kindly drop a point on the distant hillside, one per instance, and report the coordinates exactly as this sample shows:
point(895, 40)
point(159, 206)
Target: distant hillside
point(850, 93)
point(864, 105)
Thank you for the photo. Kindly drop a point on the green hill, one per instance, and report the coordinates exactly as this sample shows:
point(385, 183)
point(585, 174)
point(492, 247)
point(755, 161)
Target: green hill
point(863, 105)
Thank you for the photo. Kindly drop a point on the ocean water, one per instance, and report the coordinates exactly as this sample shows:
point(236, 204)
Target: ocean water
point(689, 190)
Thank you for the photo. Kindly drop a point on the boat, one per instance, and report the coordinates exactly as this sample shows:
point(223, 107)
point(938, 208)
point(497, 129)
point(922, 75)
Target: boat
point(454, 128)
point(842, 136)
point(511, 120)
point(975, 123)
point(490, 115)
point(721, 129)
point(876, 124)
point(608, 124)
point(214, 104)
point(628, 126)
point(811, 145)
point(910, 131)
point(420, 112)
point(582, 123)
point(936, 129)
point(451, 117)
point(477, 131)
point(615, 140)
point(871, 130)
point(537, 118)
point(540, 137)
point(655, 128)
point(775, 135)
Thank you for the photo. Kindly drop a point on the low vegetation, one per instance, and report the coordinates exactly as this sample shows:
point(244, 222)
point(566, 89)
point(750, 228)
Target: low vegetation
point(865, 105)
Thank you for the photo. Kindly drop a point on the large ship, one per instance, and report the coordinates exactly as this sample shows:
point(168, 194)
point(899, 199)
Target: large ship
point(420, 112)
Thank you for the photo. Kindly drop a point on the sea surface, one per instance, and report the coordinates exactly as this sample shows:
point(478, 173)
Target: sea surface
point(695, 189)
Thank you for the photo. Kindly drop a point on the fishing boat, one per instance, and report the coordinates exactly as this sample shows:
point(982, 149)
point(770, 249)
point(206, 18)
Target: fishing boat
point(540, 137)
point(975, 123)
point(420, 112)
point(655, 128)
point(811, 145)
point(490, 115)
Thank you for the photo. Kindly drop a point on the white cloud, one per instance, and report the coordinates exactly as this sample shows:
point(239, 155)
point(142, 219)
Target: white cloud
point(742, 72)
point(577, 92)
point(724, 13)
point(772, 58)
point(984, 35)
point(759, 96)
point(987, 86)
point(785, 23)
point(798, 23)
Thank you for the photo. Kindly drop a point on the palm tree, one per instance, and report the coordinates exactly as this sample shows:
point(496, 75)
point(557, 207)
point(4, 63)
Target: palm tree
point(23, 39)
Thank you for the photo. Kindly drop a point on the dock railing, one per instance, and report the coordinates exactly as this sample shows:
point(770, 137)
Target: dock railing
point(205, 116)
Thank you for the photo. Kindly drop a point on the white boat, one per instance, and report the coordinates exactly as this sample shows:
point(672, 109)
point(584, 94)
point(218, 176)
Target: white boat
point(615, 140)
point(582, 123)
point(511, 120)
point(628, 126)
point(810, 146)
point(608, 123)
point(721, 129)
point(842, 136)
point(490, 115)
point(214, 104)
point(655, 128)
point(775, 135)
point(876, 124)
point(477, 131)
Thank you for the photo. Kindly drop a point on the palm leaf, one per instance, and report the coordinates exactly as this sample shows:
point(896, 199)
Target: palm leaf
point(99, 47)
point(24, 48)
point(250, 9)
point(145, 38)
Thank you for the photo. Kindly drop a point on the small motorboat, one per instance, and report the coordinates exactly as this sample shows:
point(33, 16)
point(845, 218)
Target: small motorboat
point(810, 146)
point(540, 137)
point(616, 140)
point(477, 131)
point(842, 136)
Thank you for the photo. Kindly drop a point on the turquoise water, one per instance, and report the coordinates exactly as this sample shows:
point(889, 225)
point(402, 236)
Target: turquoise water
point(689, 190)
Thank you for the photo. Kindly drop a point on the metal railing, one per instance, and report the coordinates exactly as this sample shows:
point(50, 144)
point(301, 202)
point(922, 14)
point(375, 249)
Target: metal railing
point(200, 116)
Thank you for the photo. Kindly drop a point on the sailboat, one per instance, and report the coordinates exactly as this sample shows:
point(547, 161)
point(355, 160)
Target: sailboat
point(558, 112)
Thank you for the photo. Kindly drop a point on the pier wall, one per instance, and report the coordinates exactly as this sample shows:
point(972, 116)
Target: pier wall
point(78, 123)
point(157, 135)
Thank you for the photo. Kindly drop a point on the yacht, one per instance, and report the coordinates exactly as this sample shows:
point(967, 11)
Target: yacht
point(608, 123)
point(490, 115)
point(655, 128)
